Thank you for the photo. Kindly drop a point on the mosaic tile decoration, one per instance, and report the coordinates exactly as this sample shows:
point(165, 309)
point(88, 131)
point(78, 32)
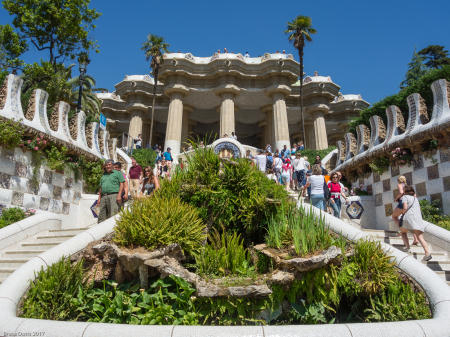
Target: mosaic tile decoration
point(354, 210)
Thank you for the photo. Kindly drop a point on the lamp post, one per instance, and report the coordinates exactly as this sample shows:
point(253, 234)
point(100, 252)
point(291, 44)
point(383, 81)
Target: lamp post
point(83, 61)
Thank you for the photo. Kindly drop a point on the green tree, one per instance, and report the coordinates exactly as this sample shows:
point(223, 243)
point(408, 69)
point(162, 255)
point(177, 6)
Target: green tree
point(435, 56)
point(153, 48)
point(59, 26)
point(12, 45)
point(300, 31)
point(416, 70)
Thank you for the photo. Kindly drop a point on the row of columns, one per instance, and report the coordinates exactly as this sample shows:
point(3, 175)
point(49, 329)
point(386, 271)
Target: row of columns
point(276, 128)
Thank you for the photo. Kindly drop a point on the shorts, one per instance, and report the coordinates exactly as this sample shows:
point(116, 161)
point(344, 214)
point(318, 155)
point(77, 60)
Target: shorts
point(285, 178)
point(400, 204)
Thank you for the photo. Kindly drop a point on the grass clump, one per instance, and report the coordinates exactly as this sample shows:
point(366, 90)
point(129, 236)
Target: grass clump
point(51, 294)
point(224, 255)
point(306, 232)
point(160, 221)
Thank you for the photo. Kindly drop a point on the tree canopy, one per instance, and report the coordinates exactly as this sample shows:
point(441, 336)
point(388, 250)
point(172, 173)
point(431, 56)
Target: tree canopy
point(60, 27)
point(153, 48)
point(12, 46)
point(435, 56)
point(416, 70)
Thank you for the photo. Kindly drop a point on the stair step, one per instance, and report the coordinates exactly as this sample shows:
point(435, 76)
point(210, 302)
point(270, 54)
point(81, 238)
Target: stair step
point(417, 249)
point(12, 263)
point(6, 271)
point(438, 265)
point(73, 231)
point(38, 245)
point(437, 257)
point(445, 274)
point(23, 253)
point(61, 237)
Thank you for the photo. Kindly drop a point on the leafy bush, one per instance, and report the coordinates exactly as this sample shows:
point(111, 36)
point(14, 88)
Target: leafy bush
point(166, 301)
point(432, 212)
point(311, 154)
point(399, 302)
point(229, 194)
point(159, 221)
point(145, 157)
point(224, 255)
point(12, 133)
point(11, 215)
point(368, 272)
point(292, 226)
point(56, 157)
point(51, 294)
point(421, 86)
point(92, 172)
point(379, 164)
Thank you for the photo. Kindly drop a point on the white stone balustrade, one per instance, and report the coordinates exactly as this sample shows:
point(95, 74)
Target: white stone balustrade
point(73, 133)
point(419, 128)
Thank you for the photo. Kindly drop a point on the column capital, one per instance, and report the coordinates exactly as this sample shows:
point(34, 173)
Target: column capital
point(227, 90)
point(278, 91)
point(176, 90)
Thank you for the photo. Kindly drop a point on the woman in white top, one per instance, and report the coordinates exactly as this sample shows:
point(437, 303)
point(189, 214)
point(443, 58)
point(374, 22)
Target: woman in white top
point(412, 221)
point(316, 181)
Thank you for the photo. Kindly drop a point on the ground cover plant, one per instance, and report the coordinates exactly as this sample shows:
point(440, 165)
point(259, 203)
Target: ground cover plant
point(12, 215)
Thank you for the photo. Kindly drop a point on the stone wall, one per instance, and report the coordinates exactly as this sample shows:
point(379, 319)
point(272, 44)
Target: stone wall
point(57, 192)
point(430, 177)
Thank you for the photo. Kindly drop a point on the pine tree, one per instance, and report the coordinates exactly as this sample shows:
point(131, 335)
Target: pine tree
point(416, 70)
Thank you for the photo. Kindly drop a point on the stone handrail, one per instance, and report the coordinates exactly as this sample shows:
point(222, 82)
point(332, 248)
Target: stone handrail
point(353, 154)
point(72, 134)
point(17, 284)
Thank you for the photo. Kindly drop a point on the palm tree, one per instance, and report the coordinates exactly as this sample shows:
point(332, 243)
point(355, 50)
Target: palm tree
point(90, 103)
point(153, 48)
point(300, 30)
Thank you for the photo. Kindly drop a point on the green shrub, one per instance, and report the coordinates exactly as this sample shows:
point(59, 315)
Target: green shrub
point(368, 272)
point(92, 172)
point(51, 294)
point(166, 302)
point(399, 302)
point(12, 133)
point(145, 157)
point(11, 215)
point(292, 226)
point(159, 221)
point(229, 194)
point(432, 212)
point(56, 157)
point(311, 154)
point(225, 255)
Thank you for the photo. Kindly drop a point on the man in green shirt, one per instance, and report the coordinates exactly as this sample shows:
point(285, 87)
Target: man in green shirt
point(110, 194)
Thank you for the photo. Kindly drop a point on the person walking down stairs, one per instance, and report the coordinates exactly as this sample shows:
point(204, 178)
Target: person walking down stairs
point(411, 220)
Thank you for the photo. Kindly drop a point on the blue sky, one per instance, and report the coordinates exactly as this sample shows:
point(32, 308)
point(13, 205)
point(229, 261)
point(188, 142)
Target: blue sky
point(364, 46)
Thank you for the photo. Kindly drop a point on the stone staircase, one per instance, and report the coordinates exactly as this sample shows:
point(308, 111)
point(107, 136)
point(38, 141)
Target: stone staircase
point(14, 256)
point(440, 263)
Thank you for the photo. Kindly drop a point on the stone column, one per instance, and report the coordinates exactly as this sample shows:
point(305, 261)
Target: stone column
point(268, 126)
point(320, 131)
point(174, 123)
point(135, 127)
point(227, 114)
point(185, 125)
point(280, 122)
point(309, 136)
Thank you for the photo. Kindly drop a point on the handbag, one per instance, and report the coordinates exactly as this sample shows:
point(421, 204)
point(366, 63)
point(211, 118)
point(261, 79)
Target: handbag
point(400, 219)
point(326, 191)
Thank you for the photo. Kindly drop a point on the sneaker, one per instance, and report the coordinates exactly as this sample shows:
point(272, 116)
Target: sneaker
point(427, 258)
point(406, 249)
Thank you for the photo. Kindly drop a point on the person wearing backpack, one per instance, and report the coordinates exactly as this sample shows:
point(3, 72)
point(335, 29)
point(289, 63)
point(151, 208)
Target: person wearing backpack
point(336, 192)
